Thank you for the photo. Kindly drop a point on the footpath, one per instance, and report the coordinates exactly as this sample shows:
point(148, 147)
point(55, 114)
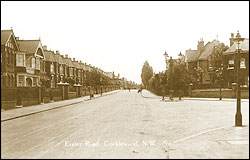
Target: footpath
point(228, 142)
point(147, 94)
point(30, 110)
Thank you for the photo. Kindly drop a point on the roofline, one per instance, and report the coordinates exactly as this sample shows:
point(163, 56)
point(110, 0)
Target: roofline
point(230, 53)
point(14, 38)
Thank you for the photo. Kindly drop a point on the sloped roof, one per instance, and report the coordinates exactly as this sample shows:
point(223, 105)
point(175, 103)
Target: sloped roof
point(5, 36)
point(244, 46)
point(208, 49)
point(59, 59)
point(192, 55)
point(29, 46)
point(68, 62)
point(49, 56)
point(76, 64)
point(82, 65)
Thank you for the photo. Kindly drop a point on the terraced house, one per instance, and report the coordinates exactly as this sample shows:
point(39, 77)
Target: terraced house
point(51, 68)
point(9, 49)
point(78, 71)
point(70, 70)
point(29, 63)
point(62, 74)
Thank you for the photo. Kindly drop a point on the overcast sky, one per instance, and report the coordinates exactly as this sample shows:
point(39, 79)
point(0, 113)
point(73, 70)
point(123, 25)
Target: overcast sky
point(121, 36)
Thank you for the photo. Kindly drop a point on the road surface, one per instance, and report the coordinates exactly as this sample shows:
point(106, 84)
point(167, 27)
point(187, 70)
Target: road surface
point(127, 125)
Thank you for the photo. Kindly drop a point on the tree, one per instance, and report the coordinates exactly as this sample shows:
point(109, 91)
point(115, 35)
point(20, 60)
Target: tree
point(147, 73)
point(216, 62)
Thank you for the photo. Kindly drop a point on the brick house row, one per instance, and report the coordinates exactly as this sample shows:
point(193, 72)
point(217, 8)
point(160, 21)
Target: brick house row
point(27, 63)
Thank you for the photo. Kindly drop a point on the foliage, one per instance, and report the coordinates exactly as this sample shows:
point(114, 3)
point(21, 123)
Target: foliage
point(216, 63)
point(147, 73)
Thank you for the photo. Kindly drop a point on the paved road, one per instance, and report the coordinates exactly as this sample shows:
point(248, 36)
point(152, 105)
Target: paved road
point(126, 125)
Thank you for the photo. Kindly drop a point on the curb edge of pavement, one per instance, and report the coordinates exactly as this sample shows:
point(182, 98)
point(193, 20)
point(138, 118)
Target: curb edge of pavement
point(36, 112)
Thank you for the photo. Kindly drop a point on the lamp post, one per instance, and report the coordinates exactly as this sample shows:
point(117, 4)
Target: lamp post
point(161, 78)
point(171, 78)
point(238, 116)
point(101, 85)
point(219, 75)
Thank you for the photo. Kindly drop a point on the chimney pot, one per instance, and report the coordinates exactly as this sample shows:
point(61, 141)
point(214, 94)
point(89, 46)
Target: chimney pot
point(45, 48)
point(231, 39)
point(232, 35)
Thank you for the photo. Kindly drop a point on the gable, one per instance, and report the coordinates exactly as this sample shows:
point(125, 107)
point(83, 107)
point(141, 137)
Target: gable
point(8, 39)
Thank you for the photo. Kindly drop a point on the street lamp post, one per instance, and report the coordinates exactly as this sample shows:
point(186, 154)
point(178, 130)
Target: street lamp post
point(171, 78)
point(101, 85)
point(238, 116)
point(167, 63)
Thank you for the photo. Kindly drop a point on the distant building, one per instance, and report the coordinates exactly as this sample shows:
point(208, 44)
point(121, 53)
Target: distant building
point(200, 59)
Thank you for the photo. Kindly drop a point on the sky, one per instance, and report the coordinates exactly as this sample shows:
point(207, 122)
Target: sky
point(120, 36)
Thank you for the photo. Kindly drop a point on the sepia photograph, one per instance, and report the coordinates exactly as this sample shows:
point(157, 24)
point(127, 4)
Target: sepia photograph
point(124, 79)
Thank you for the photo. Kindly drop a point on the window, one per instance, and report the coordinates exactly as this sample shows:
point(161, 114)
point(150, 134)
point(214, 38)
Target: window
point(52, 82)
point(33, 63)
point(52, 69)
point(71, 72)
point(37, 63)
point(34, 81)
point(242, 63)
point(79, 73)
point(20, 60)
point(7, 56)
point(61, 69)
point(231, 64)
point(20, 81)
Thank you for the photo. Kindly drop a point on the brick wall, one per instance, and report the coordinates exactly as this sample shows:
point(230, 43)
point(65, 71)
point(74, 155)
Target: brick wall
point(8, 98)
point(215, 93)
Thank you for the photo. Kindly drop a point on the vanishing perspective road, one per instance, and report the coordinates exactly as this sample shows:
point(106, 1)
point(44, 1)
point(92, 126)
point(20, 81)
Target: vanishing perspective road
point(128, 125)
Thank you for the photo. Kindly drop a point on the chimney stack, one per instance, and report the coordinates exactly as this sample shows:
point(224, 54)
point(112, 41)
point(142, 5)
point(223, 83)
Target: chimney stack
point(66, 55)
point(45, 48)
point(17, 38)
point(231, 39)
point(57, 52)
point(200, 45)
point(74, 59)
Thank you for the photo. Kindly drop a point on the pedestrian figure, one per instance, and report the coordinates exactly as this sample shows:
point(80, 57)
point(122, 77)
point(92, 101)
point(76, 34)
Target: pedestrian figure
point(91, 95)
point(139, 90)
point(129, 89)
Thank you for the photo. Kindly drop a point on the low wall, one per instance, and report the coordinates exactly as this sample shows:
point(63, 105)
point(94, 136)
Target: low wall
point(56, 94)
point(28, 95)
point(29, 101)
point(215, 93)
point(72, 95)
point(8, 98)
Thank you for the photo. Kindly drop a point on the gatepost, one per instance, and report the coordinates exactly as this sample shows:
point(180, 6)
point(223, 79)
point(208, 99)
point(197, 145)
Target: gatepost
point(39, 95)
point(171, 94)
point(234, 87)
point(66, 90)
point(76, 89)
point(61, 87)
point(190, 87)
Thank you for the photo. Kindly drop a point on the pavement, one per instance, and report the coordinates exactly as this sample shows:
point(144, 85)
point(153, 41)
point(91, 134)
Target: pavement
point(147, 94)
point(130, 125)
point(30, 110)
